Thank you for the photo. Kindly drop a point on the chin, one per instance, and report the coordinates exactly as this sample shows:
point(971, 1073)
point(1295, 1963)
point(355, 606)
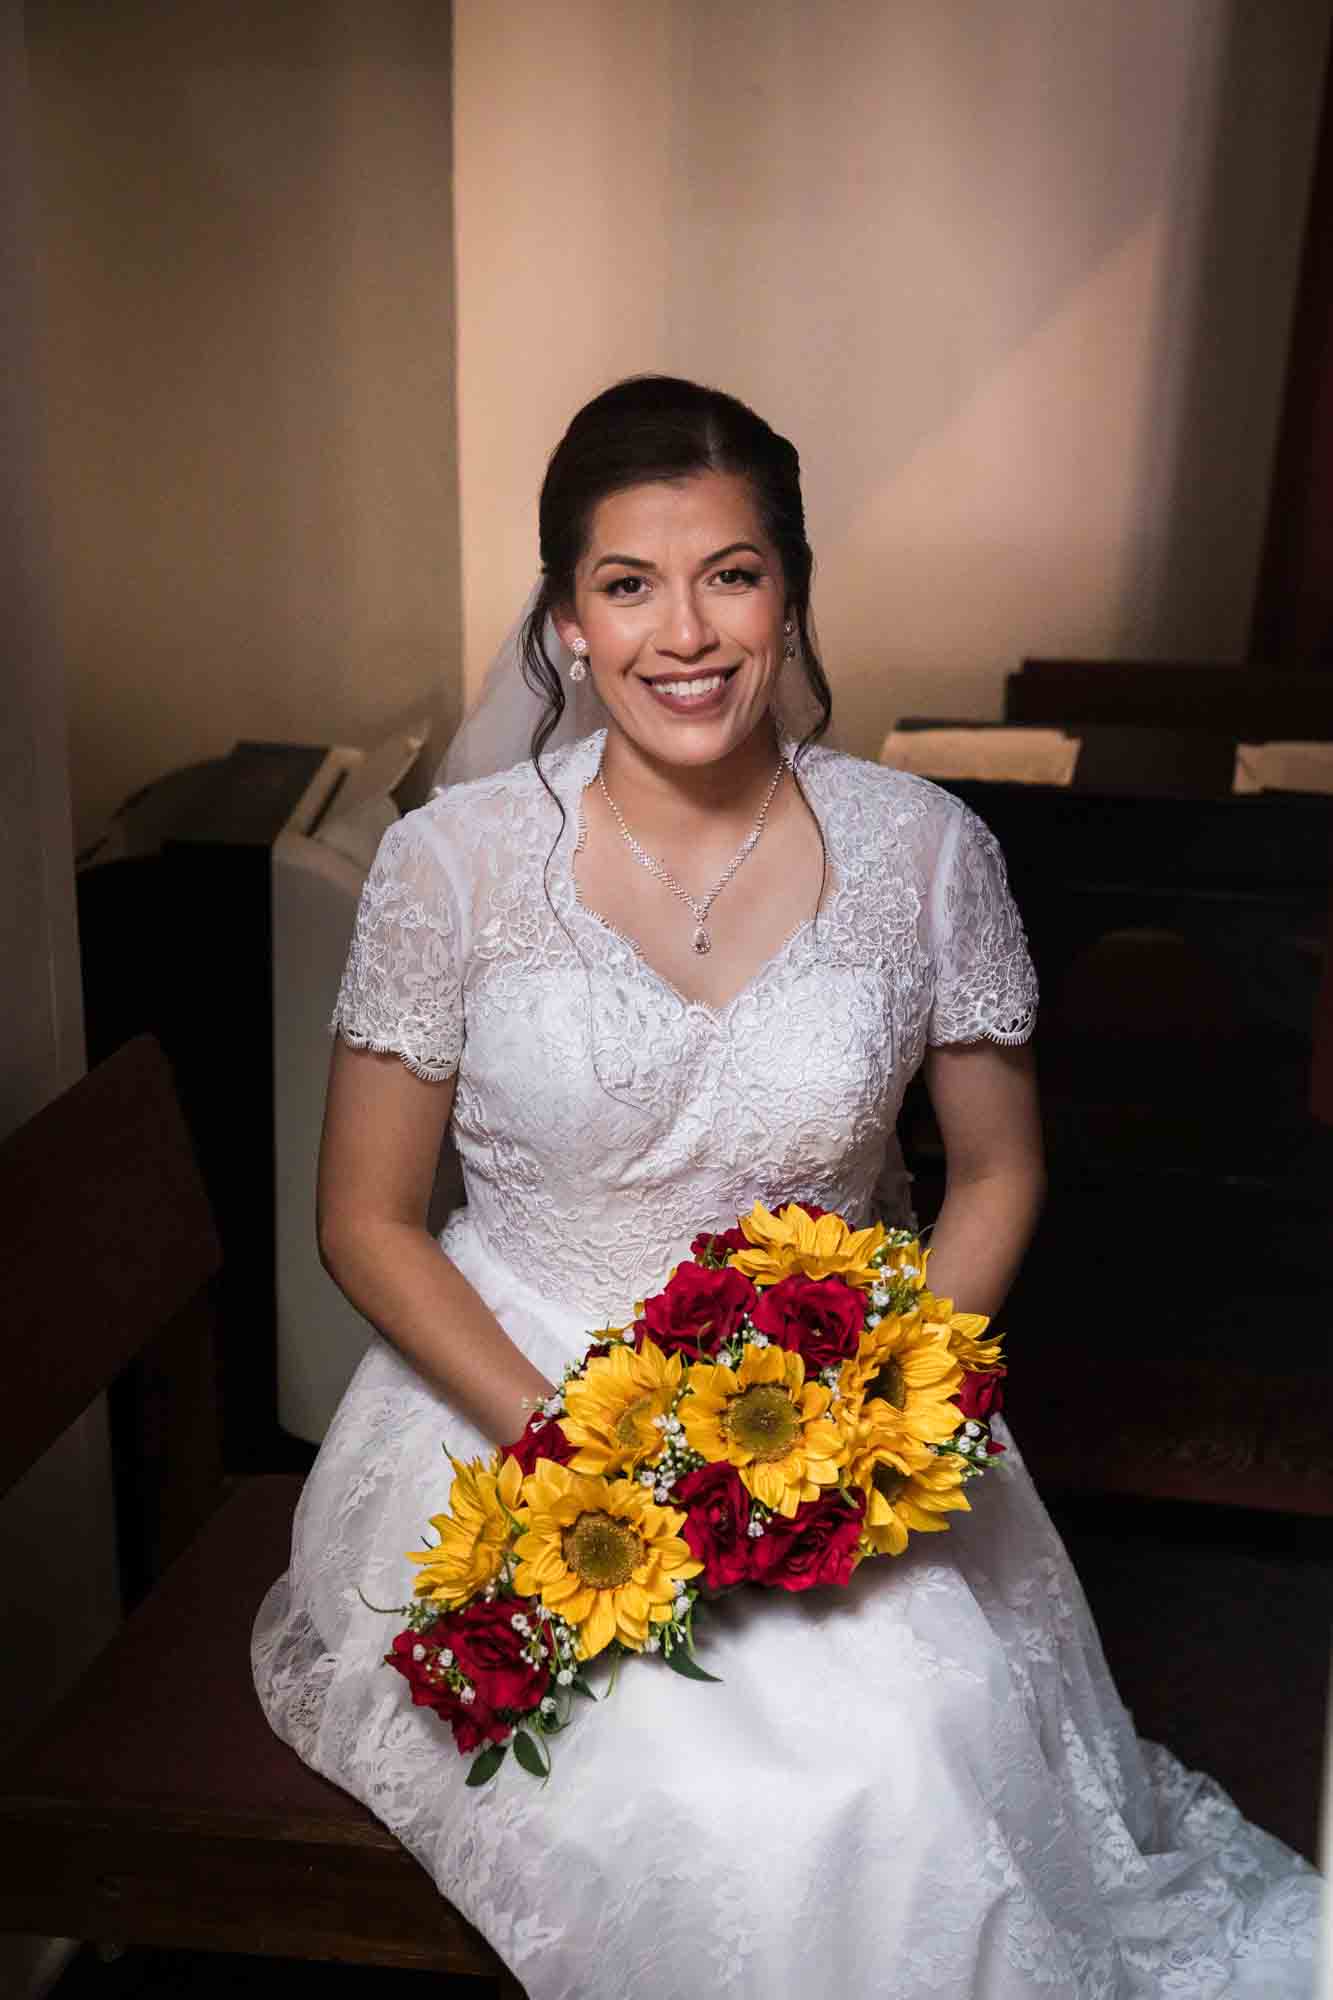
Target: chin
point(691, 744)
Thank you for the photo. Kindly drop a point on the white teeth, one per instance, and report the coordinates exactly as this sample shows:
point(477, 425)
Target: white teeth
point(698, 688)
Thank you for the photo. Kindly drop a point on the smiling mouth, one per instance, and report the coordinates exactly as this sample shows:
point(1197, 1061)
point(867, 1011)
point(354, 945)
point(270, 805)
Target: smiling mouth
point(688, 687)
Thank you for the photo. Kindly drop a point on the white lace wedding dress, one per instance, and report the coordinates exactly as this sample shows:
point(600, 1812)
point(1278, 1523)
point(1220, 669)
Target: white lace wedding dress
point(922, 1786)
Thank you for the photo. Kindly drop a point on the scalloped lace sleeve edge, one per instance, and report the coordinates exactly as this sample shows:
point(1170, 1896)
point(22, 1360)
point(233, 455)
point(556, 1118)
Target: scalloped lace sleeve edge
point(429, 1072)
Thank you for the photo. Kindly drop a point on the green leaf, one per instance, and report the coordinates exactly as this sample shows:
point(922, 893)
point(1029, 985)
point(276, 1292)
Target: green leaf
point(529, 1756)
point(485, 1767)
point(580, 1686)
point(681, 1662)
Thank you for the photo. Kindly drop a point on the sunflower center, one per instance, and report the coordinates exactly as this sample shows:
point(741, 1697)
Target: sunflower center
point(763, 1420)
point(627, 1424)
point(601, 1550)
point(889, 1386)
point(889, 1481)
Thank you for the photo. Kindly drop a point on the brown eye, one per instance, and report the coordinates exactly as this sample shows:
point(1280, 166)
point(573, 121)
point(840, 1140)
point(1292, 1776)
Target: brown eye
point(733, 578)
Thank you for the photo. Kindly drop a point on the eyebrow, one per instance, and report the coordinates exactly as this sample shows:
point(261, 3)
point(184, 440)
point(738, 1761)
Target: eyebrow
point(638, 562)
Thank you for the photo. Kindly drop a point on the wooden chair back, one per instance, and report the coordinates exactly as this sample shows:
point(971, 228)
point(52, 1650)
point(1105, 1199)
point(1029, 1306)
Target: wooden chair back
point(107, 1271)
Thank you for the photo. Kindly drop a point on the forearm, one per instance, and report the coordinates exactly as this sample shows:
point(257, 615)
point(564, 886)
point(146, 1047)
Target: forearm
point(398, 1277)
point(982, 1232)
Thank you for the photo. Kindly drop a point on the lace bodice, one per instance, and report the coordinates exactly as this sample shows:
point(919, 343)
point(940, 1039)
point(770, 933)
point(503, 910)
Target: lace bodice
point(601, 1118)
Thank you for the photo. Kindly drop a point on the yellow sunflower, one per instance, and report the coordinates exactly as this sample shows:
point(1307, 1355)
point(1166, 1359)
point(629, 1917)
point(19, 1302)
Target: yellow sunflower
point(769, 1422)
point(964, 1331)
point(610, 1409)
point(903, 1380)
point(905, 1489)
point(600, 1553)
point(474, 1534)
point(820, 1246)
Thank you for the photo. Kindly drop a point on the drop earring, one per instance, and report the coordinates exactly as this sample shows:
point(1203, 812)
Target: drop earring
point(790, 652)
point(577, 667)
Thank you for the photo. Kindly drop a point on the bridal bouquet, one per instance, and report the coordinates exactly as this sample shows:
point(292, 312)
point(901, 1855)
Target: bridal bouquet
point(793, 1402)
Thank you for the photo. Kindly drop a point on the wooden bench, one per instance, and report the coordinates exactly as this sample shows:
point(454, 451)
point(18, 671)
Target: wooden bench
point(155, 1807)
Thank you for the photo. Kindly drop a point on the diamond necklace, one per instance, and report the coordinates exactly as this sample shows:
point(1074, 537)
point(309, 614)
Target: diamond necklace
point(698, 909)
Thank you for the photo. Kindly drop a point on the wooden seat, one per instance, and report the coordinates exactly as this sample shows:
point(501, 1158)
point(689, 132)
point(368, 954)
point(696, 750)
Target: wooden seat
point(155, 1806)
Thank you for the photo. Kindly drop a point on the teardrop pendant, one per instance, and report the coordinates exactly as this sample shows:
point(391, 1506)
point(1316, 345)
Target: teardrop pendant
point(702, 941)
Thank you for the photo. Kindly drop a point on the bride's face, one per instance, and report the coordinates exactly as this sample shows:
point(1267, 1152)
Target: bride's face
point(681, 599)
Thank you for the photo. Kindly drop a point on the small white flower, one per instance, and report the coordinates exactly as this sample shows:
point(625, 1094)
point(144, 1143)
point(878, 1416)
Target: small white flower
point(564, 1677)
point(554, 1405)
point(520, 1623)
point(758, 1339)
point(680, 1609)
point(652, 1644)
point(756, 1528)
point(446, 1657)
point(679, 1585)
point(659, 1423)
point(873, 1319)
point(647, 1478)
point(467, 1694)
point(661, 1494)
point(972, 1430)
point(548, 1705)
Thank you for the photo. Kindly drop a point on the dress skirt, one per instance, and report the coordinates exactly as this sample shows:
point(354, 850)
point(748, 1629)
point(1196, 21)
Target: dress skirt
point(923, 1785)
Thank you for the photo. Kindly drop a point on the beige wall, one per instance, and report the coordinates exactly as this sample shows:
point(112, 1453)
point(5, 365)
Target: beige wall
point(250, 373)
point(1016, 276)
point(65, 1499)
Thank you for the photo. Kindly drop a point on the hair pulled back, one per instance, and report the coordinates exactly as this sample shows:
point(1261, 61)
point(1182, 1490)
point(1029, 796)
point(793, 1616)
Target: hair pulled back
point(657, 427)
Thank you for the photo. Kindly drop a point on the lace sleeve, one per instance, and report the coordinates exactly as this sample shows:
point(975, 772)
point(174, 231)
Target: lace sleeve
point(985, 987)
point(401, 989)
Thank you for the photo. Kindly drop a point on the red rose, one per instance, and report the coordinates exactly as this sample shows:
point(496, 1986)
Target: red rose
point(811, 1208)
point(980, 1395)
point(817, 1546)
point(699, 1309)
point(541, 1438)
point(490, 1652)
point(473, 1723)
point(818, 1318)
point(719, 1244)
point(717, 1520)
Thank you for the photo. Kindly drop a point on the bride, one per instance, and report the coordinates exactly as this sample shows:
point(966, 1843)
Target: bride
point(647, 976)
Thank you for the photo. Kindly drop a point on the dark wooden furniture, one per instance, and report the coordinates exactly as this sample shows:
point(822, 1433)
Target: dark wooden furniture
point(1178, 933)
point(175, 940)
point(1250, 704)
point(155, 1807)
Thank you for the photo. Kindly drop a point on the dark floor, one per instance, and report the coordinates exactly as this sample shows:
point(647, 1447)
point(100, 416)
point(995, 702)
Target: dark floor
point(1216, 1628)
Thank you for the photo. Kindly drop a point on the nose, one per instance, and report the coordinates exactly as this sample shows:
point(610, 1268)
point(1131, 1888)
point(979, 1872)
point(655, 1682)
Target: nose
point(685, 632)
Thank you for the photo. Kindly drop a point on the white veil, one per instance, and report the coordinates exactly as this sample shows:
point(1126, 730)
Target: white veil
point(496, 732)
